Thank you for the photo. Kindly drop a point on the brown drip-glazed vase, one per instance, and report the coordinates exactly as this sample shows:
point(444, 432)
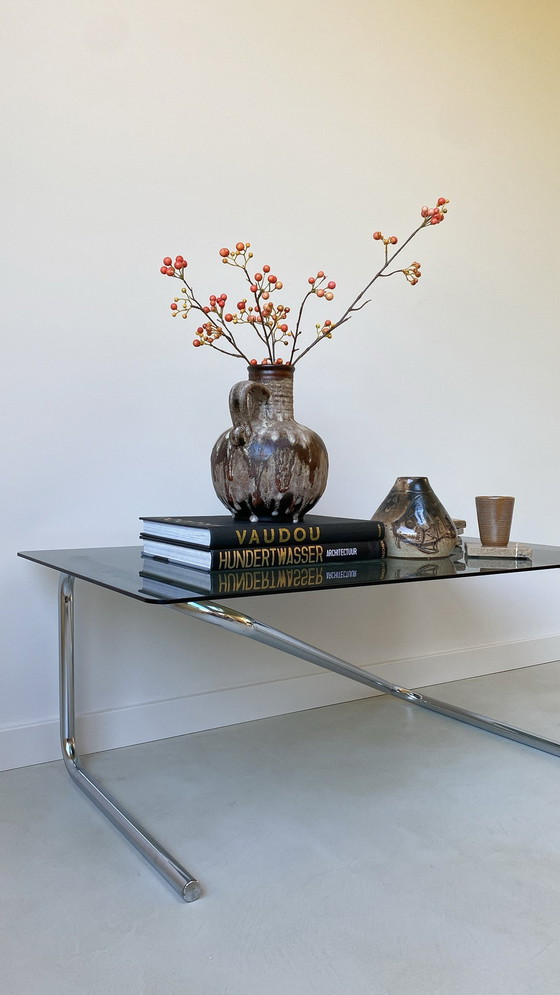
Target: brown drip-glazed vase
point(267, 467)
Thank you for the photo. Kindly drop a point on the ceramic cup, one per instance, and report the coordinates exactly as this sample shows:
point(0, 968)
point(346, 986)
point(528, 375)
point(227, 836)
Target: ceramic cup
point(494, 513)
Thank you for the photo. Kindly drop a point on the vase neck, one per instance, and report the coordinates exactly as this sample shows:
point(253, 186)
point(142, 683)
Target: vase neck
point(412, 484)
point(279, 381)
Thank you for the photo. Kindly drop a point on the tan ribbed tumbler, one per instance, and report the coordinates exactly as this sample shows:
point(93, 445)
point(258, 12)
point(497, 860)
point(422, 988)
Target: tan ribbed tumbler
point(494, 513)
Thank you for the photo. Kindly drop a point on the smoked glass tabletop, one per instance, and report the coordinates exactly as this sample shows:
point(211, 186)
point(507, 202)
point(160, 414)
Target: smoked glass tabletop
point(124, 569)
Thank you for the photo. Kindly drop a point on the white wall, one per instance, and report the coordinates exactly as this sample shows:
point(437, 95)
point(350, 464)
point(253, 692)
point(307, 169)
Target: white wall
point(133, 130)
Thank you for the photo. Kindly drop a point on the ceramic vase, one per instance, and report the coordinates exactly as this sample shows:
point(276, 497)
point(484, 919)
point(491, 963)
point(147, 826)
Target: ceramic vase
point(267, 467)
point(416, 523)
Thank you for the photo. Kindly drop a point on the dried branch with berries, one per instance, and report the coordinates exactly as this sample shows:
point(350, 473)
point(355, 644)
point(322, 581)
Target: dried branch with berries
point(272, 322)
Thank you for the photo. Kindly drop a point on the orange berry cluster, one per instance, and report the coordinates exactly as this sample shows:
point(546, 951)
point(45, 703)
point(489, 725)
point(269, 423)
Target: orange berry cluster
point(231, 255)
point(270, 362)
point(413, 273)
point(207, 334)
point(316, 283)
point(171, 268)
point(324, 331)
point(390, 240)
point(264, 283)
point(435, 215)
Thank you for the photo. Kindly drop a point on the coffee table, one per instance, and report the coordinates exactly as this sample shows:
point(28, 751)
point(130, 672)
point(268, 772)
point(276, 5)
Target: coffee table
point(120, 569)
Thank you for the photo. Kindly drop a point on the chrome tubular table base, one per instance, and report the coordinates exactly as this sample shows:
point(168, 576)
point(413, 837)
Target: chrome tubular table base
point(175, 874)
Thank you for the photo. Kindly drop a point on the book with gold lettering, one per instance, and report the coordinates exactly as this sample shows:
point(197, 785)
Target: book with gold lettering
point(264, 557)
point(168, 580)
point(224, 532)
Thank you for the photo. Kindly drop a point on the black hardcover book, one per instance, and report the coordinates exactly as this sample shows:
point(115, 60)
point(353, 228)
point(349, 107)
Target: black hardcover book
point(264, 557)
point(173, 578)
point(223, 532)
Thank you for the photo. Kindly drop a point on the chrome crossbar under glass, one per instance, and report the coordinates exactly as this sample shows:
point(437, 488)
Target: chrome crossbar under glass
point(244, 625)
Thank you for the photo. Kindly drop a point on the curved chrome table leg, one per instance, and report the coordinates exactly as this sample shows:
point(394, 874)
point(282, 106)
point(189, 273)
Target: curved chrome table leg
point(244, 625)
point(178, 877)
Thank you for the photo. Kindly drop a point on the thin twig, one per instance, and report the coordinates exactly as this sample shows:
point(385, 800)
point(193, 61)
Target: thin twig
point(352, 307)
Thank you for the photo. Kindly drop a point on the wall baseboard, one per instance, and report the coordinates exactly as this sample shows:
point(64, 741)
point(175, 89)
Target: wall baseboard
point(22, 746)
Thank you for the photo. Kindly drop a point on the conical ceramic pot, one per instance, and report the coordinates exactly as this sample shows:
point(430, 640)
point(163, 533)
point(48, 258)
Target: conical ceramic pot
point(416, 523)
point(267, 467)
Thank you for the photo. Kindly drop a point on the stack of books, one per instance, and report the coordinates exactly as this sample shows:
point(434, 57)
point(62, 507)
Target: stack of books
point(220, 555)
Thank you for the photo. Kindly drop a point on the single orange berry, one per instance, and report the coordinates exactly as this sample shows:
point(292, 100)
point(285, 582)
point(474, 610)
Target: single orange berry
point(224, 253)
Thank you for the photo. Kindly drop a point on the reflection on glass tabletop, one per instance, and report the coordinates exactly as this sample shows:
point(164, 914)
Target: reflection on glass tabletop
point(124, 569)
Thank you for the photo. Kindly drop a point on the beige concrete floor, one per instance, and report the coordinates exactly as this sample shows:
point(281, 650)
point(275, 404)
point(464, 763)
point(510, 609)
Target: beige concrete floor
point(366, 848)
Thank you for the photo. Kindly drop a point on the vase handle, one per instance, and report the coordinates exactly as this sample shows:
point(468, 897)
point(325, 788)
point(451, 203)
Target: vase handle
point(244, 399)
